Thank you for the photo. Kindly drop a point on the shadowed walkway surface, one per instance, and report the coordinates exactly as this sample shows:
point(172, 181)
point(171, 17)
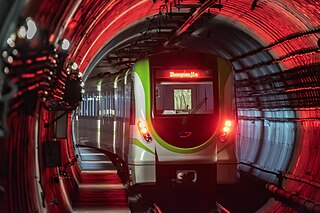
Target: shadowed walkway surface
point(247, 196)
point(100, 188)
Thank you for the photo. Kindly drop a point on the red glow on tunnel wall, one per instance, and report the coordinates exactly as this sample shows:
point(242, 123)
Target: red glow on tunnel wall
point(116, 18)
point(92, 30)
point(306, 164)
point(265, 22)
point(274, 23)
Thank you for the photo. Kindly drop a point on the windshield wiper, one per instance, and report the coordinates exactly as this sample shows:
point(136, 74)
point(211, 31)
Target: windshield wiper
point(204, 100)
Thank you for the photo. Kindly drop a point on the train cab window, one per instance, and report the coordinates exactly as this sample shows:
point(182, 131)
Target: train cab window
point(183, 92)
point(182, 99)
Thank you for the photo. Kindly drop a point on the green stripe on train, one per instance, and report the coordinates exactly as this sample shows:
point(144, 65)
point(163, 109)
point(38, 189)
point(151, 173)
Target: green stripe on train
point(142, 68)
point(142, 146)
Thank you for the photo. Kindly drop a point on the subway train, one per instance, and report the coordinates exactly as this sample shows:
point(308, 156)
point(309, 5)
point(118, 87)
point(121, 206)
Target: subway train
point(165, 116)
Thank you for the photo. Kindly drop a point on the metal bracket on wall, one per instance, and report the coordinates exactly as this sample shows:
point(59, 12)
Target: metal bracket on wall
point(47, 125)
point(5, 96)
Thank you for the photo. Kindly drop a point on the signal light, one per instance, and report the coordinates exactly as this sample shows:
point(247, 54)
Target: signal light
point(143, 129)
point(223, 135)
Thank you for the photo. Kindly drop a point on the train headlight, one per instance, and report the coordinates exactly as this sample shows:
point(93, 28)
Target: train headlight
point(228, 123)
point(223, 135)
point(143, 129)
point(226, 129)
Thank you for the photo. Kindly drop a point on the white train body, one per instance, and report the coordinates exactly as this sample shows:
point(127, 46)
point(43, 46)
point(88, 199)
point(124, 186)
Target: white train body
point(169, 112)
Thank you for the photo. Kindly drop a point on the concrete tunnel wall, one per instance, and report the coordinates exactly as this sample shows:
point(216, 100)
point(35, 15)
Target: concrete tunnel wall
point(274, 49)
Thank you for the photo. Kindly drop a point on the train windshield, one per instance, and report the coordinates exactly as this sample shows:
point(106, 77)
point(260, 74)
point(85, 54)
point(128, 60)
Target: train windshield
point(184, 93)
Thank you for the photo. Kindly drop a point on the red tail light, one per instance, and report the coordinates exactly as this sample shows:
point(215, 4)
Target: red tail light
point(143, 129)
point(226, 129)
point(228, 123)
point(223, 135)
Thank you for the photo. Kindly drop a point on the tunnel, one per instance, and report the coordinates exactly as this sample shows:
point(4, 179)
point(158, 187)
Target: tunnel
point(54, 54)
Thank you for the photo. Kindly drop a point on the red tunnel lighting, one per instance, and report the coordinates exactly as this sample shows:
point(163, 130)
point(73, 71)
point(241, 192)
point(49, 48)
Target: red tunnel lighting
point(113, 17)
point(28, 75)
point(122, 14)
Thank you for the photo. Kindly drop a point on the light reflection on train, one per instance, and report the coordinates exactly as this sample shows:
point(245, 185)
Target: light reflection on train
point(165, 117)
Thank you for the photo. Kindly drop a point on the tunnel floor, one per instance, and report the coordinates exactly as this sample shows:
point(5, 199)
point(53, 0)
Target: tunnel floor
point(100, 188)
point(247, 196)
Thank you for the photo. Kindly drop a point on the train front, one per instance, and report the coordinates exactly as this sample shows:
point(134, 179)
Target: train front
point(184, 113)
